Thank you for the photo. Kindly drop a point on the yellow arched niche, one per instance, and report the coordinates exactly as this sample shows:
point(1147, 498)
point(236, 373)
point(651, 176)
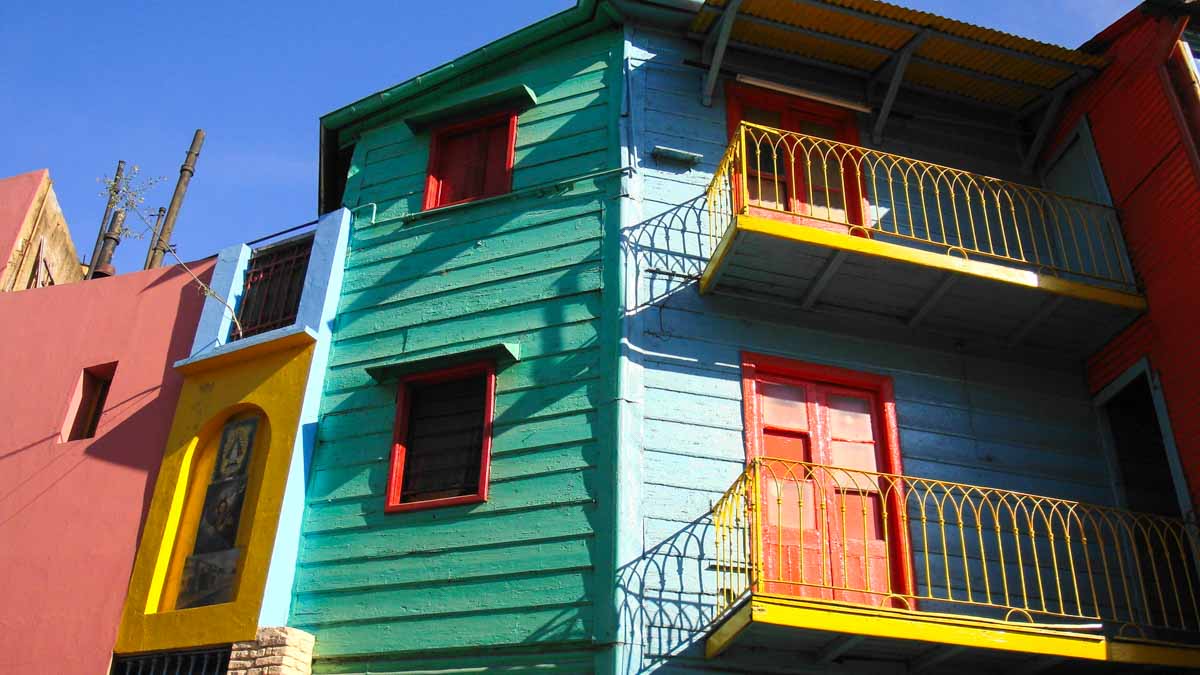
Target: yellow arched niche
point(268, 380)
point(194, 483)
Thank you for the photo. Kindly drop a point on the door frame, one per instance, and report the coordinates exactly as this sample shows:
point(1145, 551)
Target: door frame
point(1108, 441)
point(755, 364)
point(793, 108)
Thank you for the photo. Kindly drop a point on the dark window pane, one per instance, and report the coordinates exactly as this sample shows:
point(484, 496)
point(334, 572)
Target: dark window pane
point(444, 443)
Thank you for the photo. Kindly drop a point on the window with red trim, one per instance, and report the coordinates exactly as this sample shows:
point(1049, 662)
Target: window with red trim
point(442, 441)
point(471, 160)
point(813, 182)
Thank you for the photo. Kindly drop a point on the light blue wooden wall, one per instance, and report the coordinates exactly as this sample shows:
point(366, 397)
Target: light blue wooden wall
point(511, 583)
point(962, 418)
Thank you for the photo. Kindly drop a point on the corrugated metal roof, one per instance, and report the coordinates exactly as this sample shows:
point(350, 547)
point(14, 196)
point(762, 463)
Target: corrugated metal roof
point(956, 57)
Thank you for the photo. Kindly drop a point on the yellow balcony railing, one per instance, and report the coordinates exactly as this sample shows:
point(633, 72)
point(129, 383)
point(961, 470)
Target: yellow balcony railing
point(885, 540)
point(817, 182)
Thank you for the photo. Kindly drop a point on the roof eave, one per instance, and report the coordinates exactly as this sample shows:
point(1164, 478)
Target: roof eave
point(581, 13)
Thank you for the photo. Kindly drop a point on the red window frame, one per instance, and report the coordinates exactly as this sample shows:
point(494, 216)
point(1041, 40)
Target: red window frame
point(793, 112)
point(400, 435)
point(498, 179)
point(756, 366)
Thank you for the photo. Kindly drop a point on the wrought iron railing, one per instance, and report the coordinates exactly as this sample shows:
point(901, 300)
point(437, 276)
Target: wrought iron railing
point(822, 183)
point(885, 540)
point(205, 661)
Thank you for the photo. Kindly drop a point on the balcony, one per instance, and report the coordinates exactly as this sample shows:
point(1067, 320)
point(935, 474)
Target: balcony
point(814, 224)
point(838, 561)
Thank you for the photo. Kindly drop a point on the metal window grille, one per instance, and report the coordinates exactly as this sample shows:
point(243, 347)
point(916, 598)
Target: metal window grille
point(274, 282)
point(209, 661)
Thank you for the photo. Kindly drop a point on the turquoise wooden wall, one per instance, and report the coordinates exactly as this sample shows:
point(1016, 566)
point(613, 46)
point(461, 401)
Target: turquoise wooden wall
point(511, 583)
point(962, 418)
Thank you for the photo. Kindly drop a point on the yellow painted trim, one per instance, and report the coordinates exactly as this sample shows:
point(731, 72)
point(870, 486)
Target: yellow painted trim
point(717, 259)
point(273, 381)
point(865, 246)
point(729, 631)
point(238, 353)
point(1131, 651)
point(950, 629)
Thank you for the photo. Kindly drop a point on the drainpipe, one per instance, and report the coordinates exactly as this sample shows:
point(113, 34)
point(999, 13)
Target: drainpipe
point(102, 263)
point(113, 192)
point(185, 176)
point(158, 221)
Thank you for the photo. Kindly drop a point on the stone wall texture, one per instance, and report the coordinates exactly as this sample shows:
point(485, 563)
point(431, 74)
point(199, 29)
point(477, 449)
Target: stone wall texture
point(275, 651)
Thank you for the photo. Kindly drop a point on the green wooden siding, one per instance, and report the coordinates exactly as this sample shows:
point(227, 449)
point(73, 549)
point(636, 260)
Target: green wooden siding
point(478, 585)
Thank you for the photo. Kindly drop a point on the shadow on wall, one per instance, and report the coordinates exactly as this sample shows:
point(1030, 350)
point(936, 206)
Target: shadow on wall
point(668, 594)
point(668, 248)
point(669, 598)
point(446, 259)
point(137, 441)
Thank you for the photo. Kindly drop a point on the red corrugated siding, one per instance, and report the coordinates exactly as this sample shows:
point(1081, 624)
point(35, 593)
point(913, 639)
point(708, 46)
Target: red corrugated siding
point(1120, 354)
point(1155, 186)
point(1133, 127)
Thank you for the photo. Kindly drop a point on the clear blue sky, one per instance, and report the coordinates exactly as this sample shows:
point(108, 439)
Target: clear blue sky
point(85, 83)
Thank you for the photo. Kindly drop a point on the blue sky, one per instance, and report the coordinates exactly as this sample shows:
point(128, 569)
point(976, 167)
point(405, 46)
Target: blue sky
point(87, 83)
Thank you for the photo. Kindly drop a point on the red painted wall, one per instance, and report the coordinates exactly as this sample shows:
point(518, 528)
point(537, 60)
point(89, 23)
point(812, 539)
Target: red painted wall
point(71, 512)
point(1148, 155)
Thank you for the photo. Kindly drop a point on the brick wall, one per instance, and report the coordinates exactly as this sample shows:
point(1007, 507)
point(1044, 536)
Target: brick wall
point(276, 651)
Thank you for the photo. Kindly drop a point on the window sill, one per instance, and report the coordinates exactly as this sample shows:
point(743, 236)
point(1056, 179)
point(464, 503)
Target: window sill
point(247, 348)
point(435, 503)
point(541, 190)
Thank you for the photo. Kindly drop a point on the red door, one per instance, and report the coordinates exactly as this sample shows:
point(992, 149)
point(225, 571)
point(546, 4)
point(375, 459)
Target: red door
point(794, 179)
point(829, 520)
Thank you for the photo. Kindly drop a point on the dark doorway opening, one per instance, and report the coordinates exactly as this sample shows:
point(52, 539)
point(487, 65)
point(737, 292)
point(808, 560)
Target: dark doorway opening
point(1141, 455)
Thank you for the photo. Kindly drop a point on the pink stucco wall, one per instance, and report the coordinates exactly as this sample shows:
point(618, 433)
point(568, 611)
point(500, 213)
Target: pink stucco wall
point(71, 512)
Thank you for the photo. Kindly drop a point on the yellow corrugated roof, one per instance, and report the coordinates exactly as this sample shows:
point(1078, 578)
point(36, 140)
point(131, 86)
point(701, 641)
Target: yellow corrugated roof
point(951, 47)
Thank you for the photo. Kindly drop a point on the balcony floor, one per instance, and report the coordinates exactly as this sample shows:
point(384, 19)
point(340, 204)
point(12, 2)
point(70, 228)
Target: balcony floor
point(994, 304)
point(821, 632)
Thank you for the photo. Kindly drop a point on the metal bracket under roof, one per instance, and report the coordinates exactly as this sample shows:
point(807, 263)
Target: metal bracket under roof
point(715, 44)
point(900, 59)
point(1014, 87)
point(1054, 101)
point(876, 49)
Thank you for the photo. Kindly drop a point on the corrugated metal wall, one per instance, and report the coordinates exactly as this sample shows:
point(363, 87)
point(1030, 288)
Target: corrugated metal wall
point(1145, 150)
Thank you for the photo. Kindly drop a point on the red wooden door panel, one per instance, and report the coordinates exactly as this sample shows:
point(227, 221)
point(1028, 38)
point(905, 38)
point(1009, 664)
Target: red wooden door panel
point(860, 555)
point(825, 519)
point(793, 550)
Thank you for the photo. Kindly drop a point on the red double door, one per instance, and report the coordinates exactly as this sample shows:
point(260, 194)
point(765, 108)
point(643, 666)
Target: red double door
point(829, 521)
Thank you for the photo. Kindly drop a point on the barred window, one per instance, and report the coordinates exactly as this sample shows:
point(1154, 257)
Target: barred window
point(273, 286)
point(442, 438)
point(208, 661)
